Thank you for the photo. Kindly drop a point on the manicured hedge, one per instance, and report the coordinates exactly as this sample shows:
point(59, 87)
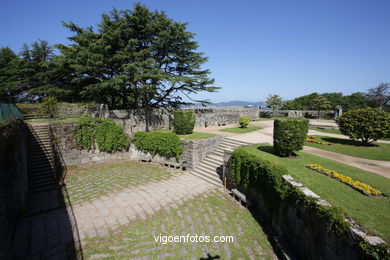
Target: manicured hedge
point(289, 135)
point(166, 144)
point(251, 171)
point(102, 134)
point(183, 122)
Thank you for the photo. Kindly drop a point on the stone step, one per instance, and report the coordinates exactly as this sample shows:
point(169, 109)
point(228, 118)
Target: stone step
point(212, 174)
point(43, 182)
point(214, 164)
point(38, 166)
point(236, 142)
point(206, 178)
point(207, 168)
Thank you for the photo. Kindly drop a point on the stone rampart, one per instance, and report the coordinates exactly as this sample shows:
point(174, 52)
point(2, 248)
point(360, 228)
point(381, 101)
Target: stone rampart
point(13, 179)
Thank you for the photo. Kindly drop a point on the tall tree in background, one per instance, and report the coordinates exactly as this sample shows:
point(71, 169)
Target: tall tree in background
point(137, 59)
point(9, 74)
point(379, 95)
point(37, 72)
point(275, 102)
point(321, 103)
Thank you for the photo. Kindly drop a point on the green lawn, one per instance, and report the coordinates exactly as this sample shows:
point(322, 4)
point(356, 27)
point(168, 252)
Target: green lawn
point(44, 120)
point(375, 151)
point(239, 130)
point(335, 131)
point(331, 131)
point(210, 214)
point(373, 213)
point(197, 135)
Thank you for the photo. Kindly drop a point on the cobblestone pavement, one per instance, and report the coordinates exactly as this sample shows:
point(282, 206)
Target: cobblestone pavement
point(98, 216)
point(85, 183)
point(212, 213)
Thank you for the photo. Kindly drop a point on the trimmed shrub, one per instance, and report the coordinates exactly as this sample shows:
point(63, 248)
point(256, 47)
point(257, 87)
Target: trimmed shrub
point(244, 121)
point(166, 144)
point(367, 125)
point(183, 122)
point(50, 107)
point(289, 135)
point(92, 133)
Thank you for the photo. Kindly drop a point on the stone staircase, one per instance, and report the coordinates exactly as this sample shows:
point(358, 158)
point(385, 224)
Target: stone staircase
point(42, 183)
point(210, 168)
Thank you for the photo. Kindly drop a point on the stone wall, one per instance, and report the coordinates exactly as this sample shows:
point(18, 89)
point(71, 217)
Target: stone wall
point(162, 119)
point(194, 150)
point(13, 179)
point(305, 233)
point(65, 110)
point(297, 113)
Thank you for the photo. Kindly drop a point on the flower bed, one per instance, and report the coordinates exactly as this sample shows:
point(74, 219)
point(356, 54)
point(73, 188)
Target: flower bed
point(357, 185)
point(312, 138)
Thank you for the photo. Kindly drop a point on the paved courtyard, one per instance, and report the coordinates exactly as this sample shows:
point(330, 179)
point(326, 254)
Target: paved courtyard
point(115, 210)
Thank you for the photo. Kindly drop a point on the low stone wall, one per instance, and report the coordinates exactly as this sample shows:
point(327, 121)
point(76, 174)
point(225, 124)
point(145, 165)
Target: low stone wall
point(162, 119)
point(13, 179)
point(297, 113)
point(305, 233)
point(194, 150)
point(35, 111)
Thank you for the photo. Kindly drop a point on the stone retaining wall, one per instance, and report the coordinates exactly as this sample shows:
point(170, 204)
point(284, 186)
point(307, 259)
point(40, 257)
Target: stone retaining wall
point(162, 119)
point(194, 150)
point(297, 113)
point(13, 179)
point(305, 233)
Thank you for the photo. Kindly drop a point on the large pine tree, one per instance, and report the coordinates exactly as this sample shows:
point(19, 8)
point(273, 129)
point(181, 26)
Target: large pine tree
point(136, 59)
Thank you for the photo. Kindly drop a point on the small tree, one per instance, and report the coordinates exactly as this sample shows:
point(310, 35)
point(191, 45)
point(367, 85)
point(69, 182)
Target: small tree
point(275, 102)
point(379, 95)
point(289, 135)
point(367, 125)
point(244, 121)
point(50, 106)
point(183, 122)
point(321, 103)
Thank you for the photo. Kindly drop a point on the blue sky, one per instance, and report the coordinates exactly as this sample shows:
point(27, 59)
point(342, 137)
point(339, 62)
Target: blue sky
point(255, 48)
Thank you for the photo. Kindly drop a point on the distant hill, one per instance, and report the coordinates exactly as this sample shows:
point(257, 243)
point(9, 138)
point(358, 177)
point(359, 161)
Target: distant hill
point(236, 103)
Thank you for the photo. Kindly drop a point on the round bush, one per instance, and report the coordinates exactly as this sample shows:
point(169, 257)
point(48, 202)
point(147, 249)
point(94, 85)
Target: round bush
point(183, 122)
point(244, 121)
point(289, 135)
point(367, 125)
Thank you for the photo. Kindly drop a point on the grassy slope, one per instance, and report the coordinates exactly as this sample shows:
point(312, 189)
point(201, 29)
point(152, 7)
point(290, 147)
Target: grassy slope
point(239, 130)
point(376, 151)
point(372, 213)
point(335, 131)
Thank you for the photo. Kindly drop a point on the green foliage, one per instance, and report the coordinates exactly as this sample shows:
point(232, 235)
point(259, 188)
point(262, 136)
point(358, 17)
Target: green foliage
point(378, 252)
point(183, 122)
point(50, 106)
point(289, 135)
point(321, 103)
point(110, 137)
point(367, 125)
point(104, 135)
point(9, 70)
point(136, 58)
point(354, 101)
point(244, 121)
point(166, 144)
point(251, 171)
point(274, 101)
point(379, 95)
